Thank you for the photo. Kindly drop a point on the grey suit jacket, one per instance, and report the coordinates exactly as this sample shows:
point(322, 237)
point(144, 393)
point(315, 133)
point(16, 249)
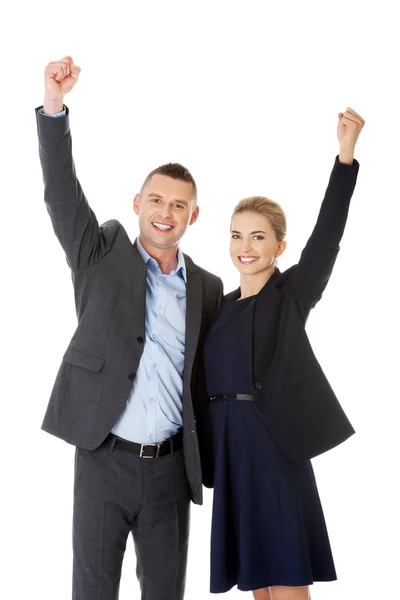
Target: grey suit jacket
point(109, 278)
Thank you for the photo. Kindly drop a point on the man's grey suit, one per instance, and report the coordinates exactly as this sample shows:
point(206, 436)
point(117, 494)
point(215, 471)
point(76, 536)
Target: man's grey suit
point(99, 365)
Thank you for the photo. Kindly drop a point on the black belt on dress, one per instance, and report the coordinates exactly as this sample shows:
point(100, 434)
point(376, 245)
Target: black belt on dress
point(218, 397)
point(169, 446)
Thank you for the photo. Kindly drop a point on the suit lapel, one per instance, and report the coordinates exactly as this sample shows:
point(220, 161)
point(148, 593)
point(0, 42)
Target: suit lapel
point(138, 272)
point(266, 321)
point(194, 307)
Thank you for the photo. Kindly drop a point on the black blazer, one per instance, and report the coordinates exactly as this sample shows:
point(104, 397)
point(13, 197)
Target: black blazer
point(302, 411)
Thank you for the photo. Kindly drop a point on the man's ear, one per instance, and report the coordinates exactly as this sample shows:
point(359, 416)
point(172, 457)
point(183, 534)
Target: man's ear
point(194, 216)
point(136, 203)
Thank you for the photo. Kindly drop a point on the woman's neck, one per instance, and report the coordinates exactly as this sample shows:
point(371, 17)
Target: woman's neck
point(250, 285)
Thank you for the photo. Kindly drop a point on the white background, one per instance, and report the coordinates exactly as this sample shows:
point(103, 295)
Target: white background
point(246, 95)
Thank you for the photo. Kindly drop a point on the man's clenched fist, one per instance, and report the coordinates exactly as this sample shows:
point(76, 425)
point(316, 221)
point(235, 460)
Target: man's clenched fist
point(59, 78)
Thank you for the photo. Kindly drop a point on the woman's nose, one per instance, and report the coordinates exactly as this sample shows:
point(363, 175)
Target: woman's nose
point(245, 248)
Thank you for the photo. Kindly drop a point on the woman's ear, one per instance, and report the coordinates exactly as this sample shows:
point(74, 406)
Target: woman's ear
point(281, 248)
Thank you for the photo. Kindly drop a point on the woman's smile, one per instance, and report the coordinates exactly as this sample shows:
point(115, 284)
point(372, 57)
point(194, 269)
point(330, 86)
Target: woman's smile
point(247, 260)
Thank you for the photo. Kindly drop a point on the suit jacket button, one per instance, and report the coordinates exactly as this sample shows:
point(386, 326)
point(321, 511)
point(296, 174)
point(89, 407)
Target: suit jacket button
point(140, 339)
point(258, 385)
point(131, 376)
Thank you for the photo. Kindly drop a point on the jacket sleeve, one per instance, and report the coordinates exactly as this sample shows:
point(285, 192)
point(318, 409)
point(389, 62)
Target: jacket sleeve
point(74, 223)
point(317, 259)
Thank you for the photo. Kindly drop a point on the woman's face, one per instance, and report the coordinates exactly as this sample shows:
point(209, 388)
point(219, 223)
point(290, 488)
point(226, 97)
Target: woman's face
point(253, 246)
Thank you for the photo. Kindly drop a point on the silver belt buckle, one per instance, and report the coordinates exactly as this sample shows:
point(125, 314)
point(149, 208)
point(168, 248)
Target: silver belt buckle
point(141, 450)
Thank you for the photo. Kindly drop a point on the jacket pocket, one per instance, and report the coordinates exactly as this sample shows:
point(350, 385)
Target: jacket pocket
point(84, 360)
point(299, 375)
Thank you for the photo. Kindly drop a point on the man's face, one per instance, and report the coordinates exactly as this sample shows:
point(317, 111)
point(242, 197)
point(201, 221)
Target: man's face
point(166, 207)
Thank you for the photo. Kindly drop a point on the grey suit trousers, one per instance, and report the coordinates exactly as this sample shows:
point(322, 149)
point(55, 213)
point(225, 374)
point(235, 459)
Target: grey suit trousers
point(115, 493)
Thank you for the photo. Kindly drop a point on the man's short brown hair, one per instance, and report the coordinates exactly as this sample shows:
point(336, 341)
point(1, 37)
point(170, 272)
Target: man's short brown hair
point(175, 171)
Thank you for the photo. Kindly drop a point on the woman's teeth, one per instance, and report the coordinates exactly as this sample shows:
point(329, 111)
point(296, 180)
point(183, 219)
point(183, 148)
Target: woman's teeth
point(247, 260)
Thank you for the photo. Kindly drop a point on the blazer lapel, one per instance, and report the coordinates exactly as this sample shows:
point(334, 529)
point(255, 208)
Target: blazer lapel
point(194, 307)
point(266, 320)
point(138, 275)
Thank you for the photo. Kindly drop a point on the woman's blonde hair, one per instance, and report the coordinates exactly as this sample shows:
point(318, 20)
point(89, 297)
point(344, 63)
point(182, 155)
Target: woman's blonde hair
point(263, 206)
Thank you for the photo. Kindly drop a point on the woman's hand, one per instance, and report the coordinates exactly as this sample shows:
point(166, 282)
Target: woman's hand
point(349, 128)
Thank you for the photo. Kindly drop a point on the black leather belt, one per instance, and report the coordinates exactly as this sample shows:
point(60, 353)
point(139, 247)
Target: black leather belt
point(169, 446)
point(232, 397)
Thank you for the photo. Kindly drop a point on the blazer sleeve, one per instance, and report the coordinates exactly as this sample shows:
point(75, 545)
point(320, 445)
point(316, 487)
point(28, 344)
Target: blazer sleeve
point(74, 223)
point(317, 259)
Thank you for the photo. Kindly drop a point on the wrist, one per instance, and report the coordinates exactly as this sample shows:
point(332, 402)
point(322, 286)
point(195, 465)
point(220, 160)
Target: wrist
point(53, 106)
point(346, 155)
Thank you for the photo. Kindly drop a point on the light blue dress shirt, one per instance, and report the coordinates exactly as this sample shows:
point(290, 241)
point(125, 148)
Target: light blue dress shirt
point(153, 411)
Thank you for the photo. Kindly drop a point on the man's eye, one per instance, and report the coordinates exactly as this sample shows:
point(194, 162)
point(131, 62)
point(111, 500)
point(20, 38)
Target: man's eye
point(178, 205)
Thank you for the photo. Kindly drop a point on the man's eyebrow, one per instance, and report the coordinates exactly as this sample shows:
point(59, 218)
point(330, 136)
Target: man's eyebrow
point(154, 195)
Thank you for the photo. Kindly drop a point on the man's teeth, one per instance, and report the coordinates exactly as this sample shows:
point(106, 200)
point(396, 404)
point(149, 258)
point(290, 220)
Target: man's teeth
point(162, 226)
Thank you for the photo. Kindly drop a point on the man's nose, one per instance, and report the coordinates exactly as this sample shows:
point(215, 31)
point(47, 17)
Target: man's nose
point(165, 211)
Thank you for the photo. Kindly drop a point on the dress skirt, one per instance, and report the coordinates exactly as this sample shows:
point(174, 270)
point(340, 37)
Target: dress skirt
point(268, 526)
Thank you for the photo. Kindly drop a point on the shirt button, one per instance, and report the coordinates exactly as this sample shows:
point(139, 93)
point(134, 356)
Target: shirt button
point(160, 279)
point(151, 400)
point(151, 435)
point(154, 336)
point(159, 307)
point(154, 365)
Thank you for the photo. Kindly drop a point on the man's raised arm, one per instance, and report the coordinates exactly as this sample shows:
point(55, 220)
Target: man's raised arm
point(74, 223)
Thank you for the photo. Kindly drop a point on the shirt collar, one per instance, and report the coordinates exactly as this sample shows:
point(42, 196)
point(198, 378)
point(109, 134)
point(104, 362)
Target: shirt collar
point(147, 259)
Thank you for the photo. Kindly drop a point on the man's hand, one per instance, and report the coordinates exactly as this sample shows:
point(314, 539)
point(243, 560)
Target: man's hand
point(59, 79)
point(349, 128)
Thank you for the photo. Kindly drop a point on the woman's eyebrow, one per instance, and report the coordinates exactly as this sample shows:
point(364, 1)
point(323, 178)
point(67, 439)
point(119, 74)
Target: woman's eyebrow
point(252, 233)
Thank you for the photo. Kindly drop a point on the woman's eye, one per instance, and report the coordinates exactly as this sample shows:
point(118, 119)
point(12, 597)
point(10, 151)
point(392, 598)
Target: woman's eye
point(258, 237)
point(235, 236)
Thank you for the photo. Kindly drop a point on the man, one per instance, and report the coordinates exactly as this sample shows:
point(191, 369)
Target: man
point(129, 393)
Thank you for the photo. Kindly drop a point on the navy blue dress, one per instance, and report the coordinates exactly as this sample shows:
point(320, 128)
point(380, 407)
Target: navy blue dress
point(268, 526)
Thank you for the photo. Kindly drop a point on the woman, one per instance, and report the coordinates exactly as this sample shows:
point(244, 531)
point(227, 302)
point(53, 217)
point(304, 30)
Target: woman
point(271, 407)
